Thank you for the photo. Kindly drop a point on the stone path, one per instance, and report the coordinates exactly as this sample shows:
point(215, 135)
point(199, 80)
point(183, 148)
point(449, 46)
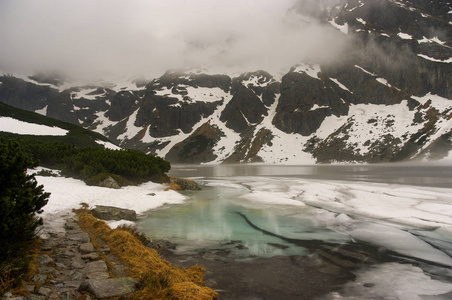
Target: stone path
point(72, 269)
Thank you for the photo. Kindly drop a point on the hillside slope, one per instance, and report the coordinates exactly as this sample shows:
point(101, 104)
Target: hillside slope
point(388, 99)
point(18, 123)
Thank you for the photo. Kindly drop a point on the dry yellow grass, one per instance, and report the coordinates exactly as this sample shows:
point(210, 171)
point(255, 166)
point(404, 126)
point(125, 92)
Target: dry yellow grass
point(158, 278)
point(174, 187)
point(20, 269)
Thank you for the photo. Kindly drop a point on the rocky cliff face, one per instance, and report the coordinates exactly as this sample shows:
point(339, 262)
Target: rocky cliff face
point(388, 99)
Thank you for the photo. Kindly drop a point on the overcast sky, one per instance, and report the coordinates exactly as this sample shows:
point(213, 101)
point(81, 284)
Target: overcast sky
point(108, 38)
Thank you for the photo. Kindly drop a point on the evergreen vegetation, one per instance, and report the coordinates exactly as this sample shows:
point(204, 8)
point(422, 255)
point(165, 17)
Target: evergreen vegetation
point(126, 166)
point(20, 200)
point(92, 164)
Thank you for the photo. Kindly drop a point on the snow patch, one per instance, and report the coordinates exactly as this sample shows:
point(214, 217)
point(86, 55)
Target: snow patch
point(432, 40)
point(341, 85)
point(286, 148)
point(342, 28)
point(361, 21)
point(310, 69)
point(131, 129)
point(108, 145)
point(449, 60)
point(405, 36)
point(361, 4)
point(385, 82)
point(438, 102)
point(42, 111)
point(8, 124)
point(85, 93)
point(198, 94)
point(365, 71)
point(316, 106)
point(256, 81)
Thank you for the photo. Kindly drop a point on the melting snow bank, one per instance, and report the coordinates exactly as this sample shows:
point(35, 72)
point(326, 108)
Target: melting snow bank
point(69, 193)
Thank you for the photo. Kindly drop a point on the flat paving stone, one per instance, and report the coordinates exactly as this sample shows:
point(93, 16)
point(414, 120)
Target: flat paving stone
point(82, 237)
point(111, 287)
point(44, 259)
point(91, 256)
point(96, 266)
point(86, 248)
point(45, 291)
point(98, 275)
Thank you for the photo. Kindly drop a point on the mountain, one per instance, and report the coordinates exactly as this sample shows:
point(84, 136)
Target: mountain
point(388, 99)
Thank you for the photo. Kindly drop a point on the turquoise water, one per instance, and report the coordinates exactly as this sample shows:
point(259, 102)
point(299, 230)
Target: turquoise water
point(210, 219)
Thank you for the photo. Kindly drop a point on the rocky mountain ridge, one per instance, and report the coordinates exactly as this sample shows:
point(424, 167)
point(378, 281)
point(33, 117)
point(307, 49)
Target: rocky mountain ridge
point(388, 99)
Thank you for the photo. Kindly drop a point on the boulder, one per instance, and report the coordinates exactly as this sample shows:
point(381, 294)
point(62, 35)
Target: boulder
point(183, 184)
point(109, 182)
point(114, 213)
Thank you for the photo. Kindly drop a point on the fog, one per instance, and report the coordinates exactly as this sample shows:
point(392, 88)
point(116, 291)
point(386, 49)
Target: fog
point(107, 39)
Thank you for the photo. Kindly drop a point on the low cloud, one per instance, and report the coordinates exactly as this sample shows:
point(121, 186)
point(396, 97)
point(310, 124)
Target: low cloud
point(107, 39)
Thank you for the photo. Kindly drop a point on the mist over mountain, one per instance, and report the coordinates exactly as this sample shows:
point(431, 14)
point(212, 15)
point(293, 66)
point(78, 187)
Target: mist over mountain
point(103, 40)
point(243, 81)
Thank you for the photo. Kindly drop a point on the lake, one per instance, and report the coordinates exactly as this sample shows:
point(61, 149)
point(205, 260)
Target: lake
point(260, 211)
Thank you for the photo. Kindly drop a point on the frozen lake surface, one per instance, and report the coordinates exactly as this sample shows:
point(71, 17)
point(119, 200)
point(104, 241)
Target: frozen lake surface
point(406, 209)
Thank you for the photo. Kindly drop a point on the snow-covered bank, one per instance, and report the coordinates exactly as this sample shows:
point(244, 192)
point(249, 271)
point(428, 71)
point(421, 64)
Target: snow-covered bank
point(69, 193)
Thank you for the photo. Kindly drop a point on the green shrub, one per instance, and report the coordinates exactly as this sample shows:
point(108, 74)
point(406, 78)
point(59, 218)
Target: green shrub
point(20, 199)
point(93, 164)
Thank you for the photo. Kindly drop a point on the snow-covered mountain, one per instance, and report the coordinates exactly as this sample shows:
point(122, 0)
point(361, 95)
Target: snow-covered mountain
point(388, 99)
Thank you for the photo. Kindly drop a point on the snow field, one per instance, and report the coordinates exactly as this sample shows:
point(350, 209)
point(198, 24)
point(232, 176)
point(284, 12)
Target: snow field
point(68, 193)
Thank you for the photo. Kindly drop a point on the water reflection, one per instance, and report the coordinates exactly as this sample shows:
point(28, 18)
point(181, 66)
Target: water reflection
point(212, 218)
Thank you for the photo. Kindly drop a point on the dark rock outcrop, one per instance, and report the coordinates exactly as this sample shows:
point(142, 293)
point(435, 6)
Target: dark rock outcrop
point(122, 105)
point(245, 108)
point(113, 213)
point(166, 116)
point(174, 78)
point(198, 147)
point(184, 184)
point(305, 102)
point(247, 149)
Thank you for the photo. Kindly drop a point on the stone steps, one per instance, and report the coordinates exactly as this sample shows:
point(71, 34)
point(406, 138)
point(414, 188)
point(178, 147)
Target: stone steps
point(71, 269)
